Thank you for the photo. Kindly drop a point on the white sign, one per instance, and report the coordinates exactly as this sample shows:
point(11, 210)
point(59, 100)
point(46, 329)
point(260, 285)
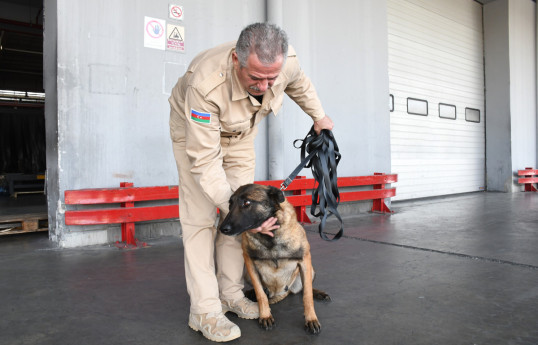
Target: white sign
point(175, 37)
point(175, 12)
point(154, 33)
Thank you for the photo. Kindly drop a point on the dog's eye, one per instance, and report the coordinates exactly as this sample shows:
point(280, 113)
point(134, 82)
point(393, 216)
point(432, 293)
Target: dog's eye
point(246, 203)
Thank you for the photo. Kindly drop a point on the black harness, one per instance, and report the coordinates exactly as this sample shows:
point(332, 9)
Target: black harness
point(320, 153)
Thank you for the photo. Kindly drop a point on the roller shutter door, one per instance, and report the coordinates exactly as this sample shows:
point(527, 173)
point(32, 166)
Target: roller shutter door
point(436, 80)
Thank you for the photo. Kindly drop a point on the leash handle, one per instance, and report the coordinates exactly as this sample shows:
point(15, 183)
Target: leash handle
point(323, 158)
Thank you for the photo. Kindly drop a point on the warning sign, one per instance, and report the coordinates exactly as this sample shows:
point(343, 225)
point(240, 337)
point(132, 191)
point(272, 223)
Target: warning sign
point(154, 33)
point(175, 12)
point(175, 37)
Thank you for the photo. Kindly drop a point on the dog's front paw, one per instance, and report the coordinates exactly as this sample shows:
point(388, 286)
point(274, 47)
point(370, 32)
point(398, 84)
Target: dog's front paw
point(267, 323)
point(312, 326)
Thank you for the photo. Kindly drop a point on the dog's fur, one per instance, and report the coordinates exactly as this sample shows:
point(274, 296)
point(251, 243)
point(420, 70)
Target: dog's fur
point(273, 263)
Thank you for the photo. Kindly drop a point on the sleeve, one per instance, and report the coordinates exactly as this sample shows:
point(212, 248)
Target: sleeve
point(301, 90)
point(203, 148)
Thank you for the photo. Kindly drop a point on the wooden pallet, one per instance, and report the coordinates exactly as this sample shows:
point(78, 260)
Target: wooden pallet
point(23, 223)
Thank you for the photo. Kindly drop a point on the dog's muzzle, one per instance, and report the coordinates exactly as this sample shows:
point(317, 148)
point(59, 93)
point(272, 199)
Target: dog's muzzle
point(226, 229)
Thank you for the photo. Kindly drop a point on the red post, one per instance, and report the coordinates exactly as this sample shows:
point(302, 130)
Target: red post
point(128, 229)
point(379, 205)
point(302, 217)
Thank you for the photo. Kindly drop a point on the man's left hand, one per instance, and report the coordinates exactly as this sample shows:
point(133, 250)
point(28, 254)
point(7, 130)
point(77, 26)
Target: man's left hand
point(324, 123)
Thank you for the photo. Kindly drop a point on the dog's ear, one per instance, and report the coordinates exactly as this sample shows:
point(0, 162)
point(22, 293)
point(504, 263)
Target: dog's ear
point(276, 195)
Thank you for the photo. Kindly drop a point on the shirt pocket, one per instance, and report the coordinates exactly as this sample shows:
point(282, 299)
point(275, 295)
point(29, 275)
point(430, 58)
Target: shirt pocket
point(236, 117)
point(235, 127)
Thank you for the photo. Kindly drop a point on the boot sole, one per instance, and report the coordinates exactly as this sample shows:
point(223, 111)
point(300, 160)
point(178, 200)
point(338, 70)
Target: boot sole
point(214, 337)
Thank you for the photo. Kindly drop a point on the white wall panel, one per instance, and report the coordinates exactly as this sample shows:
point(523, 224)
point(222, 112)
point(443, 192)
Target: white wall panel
point(436, 55)
point(523, 83)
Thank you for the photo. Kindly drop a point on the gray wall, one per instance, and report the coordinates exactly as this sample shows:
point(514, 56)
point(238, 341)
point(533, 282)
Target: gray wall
point(112, 108)
point(523, 82)
point(510, 68)
point(107, 109)
point(343, 47)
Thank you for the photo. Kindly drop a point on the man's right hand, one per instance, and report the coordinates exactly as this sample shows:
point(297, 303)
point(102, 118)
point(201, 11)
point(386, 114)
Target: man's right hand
point(324, 123)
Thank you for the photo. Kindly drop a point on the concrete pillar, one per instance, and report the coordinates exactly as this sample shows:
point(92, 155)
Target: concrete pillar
point(497, 80)
point(510, 78)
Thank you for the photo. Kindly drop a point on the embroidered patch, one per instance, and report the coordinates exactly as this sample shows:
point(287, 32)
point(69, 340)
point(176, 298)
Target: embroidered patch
point(200, 117)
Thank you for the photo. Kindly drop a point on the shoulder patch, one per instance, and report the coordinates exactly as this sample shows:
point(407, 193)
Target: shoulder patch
point(200, 117)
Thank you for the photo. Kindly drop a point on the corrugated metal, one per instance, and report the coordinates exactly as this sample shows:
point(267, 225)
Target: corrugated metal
point(436, 54)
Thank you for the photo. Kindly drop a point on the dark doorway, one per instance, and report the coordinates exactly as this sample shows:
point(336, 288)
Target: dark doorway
point(22, 117)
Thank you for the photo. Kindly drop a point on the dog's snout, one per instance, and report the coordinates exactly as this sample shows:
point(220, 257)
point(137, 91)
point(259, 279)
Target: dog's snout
point(225, 228)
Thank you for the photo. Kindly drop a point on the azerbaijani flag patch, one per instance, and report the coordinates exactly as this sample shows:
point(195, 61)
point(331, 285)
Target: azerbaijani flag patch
point(198, 116)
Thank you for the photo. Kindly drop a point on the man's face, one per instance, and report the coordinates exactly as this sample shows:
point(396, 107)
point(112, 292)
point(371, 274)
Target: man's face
point(257, 77)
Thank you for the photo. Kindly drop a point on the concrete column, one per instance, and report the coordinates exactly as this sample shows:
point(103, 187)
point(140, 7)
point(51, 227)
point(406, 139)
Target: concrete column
point(510, 75)
point(497, 80)
point(50, 82)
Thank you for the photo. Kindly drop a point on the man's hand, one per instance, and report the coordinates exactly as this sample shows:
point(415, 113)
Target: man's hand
point(324, 123)
point(267, 227)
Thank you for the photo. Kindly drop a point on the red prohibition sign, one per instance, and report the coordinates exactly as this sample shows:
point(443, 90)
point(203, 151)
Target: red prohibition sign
point(154, 29)
point(176, 12)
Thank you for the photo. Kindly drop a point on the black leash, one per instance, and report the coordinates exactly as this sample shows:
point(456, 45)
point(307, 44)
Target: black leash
point(320, 153)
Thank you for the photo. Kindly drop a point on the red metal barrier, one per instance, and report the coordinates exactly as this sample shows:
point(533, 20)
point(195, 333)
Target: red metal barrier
point(529, 178)
point(128, 214)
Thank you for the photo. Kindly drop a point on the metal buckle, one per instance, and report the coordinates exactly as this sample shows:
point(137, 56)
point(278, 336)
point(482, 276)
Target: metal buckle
point(285, 184)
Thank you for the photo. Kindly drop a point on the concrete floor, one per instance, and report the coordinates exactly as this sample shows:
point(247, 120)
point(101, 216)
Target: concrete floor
point(455, 270)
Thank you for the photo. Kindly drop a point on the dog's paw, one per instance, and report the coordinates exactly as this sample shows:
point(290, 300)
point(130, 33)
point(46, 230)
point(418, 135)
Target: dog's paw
point(312, 326)
point(267, 323)
point(321, 295)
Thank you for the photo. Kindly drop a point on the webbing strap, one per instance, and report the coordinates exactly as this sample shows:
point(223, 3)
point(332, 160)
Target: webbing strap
point(320, 153)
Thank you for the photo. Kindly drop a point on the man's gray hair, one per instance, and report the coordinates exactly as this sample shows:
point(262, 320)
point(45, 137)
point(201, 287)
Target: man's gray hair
point(268, 41)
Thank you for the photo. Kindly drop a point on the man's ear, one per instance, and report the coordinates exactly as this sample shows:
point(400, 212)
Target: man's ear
point(235, 60)
point(276, 194)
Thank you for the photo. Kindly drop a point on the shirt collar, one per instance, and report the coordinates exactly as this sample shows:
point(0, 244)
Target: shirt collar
point(238, 92)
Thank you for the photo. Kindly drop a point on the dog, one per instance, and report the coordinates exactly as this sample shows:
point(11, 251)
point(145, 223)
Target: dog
point(274, 264)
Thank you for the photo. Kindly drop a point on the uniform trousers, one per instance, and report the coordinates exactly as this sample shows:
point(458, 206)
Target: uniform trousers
point(213, 262)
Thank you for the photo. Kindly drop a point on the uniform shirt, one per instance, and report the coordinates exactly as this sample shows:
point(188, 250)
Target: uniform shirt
point(208, 103)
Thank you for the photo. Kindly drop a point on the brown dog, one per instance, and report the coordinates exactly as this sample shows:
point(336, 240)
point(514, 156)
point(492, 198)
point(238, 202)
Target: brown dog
point(273, 263)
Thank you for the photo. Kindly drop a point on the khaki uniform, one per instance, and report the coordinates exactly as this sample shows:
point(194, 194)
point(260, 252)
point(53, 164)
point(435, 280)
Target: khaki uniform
point(213, 125)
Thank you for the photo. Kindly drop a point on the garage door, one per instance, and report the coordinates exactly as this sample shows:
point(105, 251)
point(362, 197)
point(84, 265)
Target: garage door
point(436, 80)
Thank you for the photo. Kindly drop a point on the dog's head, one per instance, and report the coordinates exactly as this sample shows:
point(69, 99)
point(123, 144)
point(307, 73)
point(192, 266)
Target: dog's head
point(250, 206)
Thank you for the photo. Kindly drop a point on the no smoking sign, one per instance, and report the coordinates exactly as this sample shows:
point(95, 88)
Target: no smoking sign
point(175, 12)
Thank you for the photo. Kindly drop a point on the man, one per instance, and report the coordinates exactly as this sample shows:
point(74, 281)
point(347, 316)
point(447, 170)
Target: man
point(215, 109)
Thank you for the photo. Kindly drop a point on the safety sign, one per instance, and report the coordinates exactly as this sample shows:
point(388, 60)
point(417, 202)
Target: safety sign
point(154, 33)
point(175, 12)
point(175, 38)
